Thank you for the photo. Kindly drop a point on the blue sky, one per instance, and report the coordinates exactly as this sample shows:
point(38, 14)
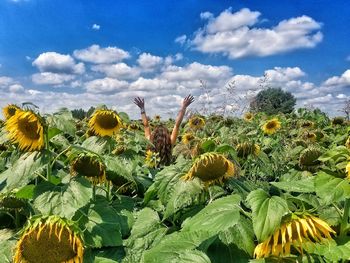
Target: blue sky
point(77, 53)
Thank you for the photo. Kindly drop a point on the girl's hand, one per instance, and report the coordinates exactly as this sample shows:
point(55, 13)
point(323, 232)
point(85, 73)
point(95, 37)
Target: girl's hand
point(187, 101)
point(140, 102)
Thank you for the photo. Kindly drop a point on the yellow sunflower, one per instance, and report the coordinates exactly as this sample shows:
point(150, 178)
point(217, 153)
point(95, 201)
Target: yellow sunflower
point(105, 123)
point(347, 170)
point(295, 231)
point(196, 122)
point(133, 126)
point(152, 159)
point(271, 126)
point(211, 168)
point(347, 143)
point(248, 116)
point(26, 129)
point(50, 240)
point(89, 166)
point(157, 118)
point(246, 148)
point(10, 110)
point(187, 138)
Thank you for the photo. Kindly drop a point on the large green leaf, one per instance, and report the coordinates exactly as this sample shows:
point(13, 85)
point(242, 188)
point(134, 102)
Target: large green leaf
point(62, 120)
point(102, 225)
point(330, 250)
point(267, 212)
point(63, 200)
point(22, 171)
point(301, 186)
point(219, 215)
point(330, 188)
point(6, 250)
point(96, 144)
point(105, 255)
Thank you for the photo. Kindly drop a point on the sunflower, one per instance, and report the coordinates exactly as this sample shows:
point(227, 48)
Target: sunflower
point(89, 166)
point(338, 121)
point(310, 136)
point(10, 110)
point(307, 124)
point(50, 240)
point(157, 118)
point(248, 116)
point(308, 159)
point(347, 143)
point(196, 122)
point(211, 168)
point(347, 170)
point(152, 159)
point(271, 126)
point(26, 129)
point(246, 148)
point(133, 126)
point(105, 123)
point(187, 138)
point(295, 231)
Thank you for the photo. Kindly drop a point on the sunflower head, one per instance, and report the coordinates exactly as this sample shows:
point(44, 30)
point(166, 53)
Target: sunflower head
point(271, 126)
point(246, 148)
point(187, 138)
point(10, 110)
point(310, 136)
point(307, 124)
point(157, 118)
point(196, 122)
point(211, 168)
point(105, 123)
point(89, 166)
point(152, 159)
point(10, 201)
point(347, 170)
point(26, 129)
point(133, 126)
point(293, 232)
point(248, 116)
point(338, 121)
point(308, 159)
point(347, 143)
point(50, 240)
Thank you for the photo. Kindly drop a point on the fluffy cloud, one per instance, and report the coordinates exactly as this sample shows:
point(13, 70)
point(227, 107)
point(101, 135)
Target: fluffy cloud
point(96, 54)
point(58, 63)
point(49, 78)
point(10, 85)
point(148, 61)
point(5, 81)
point(236, 35)
point(106, 85)
point(96, 27)
point(119, 70)
point(342, 81)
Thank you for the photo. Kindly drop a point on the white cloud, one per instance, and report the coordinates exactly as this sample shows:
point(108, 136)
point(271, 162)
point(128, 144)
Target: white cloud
point(119, 70)
point(96, 54)
point(16, 88)
point(5, 81)
point(235, 35)
point(279, 74)
point(342, 81)
point(49, 78)
point(181, 39)
point(58, 63)
point(106, 85)
point(148, 61)
point(96, 27)
point(206, 15)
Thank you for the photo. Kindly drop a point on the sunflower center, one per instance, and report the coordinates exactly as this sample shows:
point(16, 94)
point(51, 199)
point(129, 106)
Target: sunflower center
point(87, 167)
point(196, 121)
point(211, 170)
point(107, 121)
point(47, 248)
point(271, 125)
point(29, 128)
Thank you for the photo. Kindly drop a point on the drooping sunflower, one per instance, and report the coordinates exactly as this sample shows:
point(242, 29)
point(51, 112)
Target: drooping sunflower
point(296, 230)
point(246, 148)
point(271, 126)
point(10, 110)
point(211, 168)
point(133, 126)
point(347, 170)
point(89, 166)
point(338, 121)
point(307, 124)
point(152, 159)
point(187, 138)
point(105, 123)
point(50, 240)
point(196, 122)
point(26, 128)
point(347, 143)
point(248, 116)
point(308, 159)
point(310, 136)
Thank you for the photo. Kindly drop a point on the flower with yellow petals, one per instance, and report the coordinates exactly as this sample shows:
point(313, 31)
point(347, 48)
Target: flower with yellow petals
point(50, 240)
point(157, 118)
point(271, 126)
point(347, 143)
point(105, 123)
point(347, 170)
point(211, 168)
point(89, 166)
point(295, 231)
point(196, 122)
point(187, 138)
point(10, 110)
point(152, 159)
point(26, 129)
point(248, 116)
point(246, 148)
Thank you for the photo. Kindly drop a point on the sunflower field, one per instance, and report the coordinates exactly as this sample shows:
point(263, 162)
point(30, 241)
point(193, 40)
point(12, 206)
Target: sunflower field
point(252, 189)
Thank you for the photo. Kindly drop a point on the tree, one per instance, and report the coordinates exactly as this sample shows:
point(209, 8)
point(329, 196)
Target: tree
point(346, 109)
point(273, 101)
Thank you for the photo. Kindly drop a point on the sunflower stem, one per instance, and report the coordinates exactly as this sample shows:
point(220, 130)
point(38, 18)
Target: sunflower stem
point(47, 146)
point(108, 190)
point(94, 192)
point(345, 220)
point(17, 223)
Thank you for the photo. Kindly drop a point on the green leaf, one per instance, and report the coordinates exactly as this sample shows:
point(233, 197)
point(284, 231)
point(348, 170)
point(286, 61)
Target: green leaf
point(330, 250)
point(105, 255)
point(219, 215)
point(330, 188)
point(26, 192)
point(24, 170)
point(63, 200)
point(6, 250)
point(219, 252)
point(102, 225)
point(53, 132)
point(267, 212)
point(96, 144)
point(301, 186)
point(62, 120)
point(124, 116)
point(208, 146)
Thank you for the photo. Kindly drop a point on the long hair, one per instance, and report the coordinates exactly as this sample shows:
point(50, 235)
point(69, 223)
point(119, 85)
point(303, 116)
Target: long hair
point(160, 138)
